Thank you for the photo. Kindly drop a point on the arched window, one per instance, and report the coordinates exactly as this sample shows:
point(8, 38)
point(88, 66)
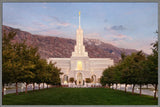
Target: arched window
point(65, 78)
point(79, 79)
point(93, 78)
point(79, 76)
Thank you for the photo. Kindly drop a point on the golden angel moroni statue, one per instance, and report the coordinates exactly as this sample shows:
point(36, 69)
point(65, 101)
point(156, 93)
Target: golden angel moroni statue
point(79, 13)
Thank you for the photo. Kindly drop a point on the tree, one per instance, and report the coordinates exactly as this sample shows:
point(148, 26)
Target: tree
point(39, 71)
point(55, 80)
point(88, 80)
point(133, 70)
point(107, 77)
point(102, 81)
point(35, 57)
point(71, 79)
point(139, 62)
point(123, 56)
point(8, 55)
point(13, 58)
point(117, 74)
point(124, 69)
point(22, 63)
point(26, 56)
point(18, 61)
point(152, 63)
point(53, 74)
point(48, 77)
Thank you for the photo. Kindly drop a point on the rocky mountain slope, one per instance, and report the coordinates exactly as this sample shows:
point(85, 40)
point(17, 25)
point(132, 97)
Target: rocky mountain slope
point(52, 46)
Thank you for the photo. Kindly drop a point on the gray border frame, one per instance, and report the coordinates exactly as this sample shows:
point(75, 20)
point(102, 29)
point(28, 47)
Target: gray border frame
point(120, 1)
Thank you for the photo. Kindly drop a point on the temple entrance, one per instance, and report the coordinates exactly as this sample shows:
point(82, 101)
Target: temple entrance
point(79, 79)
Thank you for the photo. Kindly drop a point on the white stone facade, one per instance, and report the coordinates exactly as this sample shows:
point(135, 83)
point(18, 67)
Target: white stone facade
point(80, 66)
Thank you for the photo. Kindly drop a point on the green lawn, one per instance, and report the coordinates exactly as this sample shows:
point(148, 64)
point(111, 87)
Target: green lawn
point(78, 96)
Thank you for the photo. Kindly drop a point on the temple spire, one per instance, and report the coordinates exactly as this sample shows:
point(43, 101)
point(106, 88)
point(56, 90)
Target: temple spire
point(79, 19)
point(79, 49)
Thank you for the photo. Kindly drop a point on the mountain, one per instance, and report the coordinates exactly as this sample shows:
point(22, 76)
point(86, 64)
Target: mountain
point(57, 47)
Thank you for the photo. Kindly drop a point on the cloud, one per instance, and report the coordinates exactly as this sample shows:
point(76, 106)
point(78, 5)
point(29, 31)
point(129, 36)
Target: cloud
point(74, 26)
point(127, 42)
point(114, 35)
point(38, 24)
point(55, 21)
point(121, 37)
point(63, 24)
point(130, 12)
point(44, 7)
point(105, 20)
point(59, 22)
point(108, 29)
point(134, 45)
point(24, 28)
point(52, 24)
point(119, 27)
point(118, 37)
point(115, 28)
point(52, 33)
point(58, 27)
point(92, 35)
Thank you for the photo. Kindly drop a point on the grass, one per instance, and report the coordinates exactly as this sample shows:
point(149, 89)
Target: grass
point(77, 96)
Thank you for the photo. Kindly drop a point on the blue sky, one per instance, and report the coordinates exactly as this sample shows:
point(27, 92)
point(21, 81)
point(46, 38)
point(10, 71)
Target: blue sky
point(125, 25)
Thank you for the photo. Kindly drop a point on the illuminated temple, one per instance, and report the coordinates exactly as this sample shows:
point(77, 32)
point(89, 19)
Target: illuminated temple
point(80, 66)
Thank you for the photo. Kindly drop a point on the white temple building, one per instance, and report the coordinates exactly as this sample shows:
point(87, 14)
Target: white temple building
point(80, 66)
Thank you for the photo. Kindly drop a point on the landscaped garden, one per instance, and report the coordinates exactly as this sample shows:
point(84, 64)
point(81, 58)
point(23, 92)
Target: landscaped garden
point(78, 96)
point(22, 64)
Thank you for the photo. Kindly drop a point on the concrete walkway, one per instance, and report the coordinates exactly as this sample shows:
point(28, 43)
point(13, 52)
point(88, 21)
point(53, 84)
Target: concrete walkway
point(22, 89)
point(120, 87)
point(136, 90)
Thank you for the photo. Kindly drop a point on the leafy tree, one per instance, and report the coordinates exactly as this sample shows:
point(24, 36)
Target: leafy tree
point(8, 55)
point(39, 71)
point(26, 59)
point(102, 81)
point(55, 80)
point(53, 75)
point(34, 57)
point(88, 80)
point(133, 70)
point(49, 70)
point(13, 58)
point(139, 62)
point(117, 74)
point(123, 56)
point(125, 71)
point(71, 79)
point(152, 63)
point(22, 63)
point(107, 77)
